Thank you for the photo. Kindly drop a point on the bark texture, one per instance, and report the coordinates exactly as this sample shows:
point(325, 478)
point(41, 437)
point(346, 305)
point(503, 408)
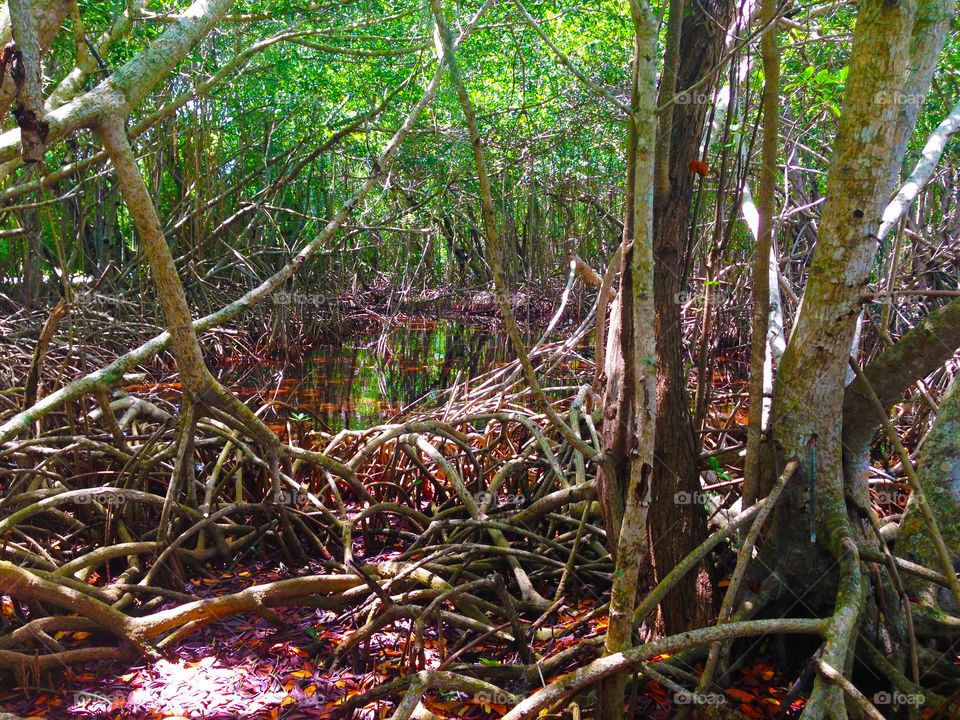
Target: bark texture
point(639, 355)
point(939, 475)
point(676, 528)
point(810, 385)
point(766, 209)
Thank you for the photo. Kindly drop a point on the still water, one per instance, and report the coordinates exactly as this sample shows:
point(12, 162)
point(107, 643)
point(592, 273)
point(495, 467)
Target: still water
point(370, 376)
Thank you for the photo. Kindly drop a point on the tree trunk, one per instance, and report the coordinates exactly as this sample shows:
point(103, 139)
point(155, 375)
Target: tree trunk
point(29, 81)
point(195, 377)
point(132, 82)
point(639, 348)
point(766, 191)
point(810, 386)
point(939, 475)
point(616, 428)
point(676, 528)
point(47, 19)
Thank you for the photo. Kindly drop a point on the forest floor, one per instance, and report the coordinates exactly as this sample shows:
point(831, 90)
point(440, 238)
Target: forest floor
point(243, 666)
point(238, 668)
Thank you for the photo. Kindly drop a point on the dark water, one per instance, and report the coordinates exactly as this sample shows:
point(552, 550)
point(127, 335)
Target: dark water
point(370, 376)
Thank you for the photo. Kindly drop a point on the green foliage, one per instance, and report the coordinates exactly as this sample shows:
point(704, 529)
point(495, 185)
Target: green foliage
point(223, 167)
point(715, 466)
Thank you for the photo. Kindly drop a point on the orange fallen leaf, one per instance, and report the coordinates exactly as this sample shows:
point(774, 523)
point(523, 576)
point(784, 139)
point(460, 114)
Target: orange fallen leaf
point(656, 688)
point(764, 671)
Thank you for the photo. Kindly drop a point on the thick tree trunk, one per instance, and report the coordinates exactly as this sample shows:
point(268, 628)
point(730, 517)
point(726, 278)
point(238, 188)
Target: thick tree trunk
point(676, 528)
point(810, 386)
point(617, 427)
point(29, 80)
point(919, 352)
point(47, 19)
point(132, 82)
point(199, 386)
point(639, 348)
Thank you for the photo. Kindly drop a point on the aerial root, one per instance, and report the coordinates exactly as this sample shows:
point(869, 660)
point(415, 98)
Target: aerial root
point(474, 523)
point(485, 513)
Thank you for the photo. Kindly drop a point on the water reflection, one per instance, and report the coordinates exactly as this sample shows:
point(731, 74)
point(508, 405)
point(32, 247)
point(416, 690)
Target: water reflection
point(370, 376)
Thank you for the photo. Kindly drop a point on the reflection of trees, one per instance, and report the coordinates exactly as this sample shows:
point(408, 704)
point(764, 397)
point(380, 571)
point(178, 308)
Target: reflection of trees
point(471, 350)
point(423, 359)
point(324, 385)
point(360, 383)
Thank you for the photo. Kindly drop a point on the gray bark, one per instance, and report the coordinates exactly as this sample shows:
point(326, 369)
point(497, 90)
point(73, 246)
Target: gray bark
point(807, 401)
point(939, 475)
